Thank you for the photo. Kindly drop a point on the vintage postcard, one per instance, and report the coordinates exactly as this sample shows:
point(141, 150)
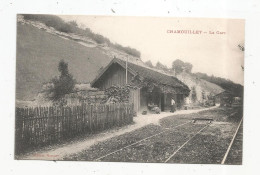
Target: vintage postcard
point(129, 89)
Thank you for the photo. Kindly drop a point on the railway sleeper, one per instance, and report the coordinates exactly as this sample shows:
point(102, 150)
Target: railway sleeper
point(202, 120)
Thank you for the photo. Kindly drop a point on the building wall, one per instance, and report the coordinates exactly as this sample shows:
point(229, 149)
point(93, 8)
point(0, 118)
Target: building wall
point(115, 75)
point(135, 99)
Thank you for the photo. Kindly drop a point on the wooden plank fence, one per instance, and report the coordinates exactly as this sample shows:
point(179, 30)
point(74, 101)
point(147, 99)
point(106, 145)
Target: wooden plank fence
point(40, 126)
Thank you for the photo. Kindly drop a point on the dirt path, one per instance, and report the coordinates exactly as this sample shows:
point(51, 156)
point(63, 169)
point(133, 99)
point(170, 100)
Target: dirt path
point(76, 147)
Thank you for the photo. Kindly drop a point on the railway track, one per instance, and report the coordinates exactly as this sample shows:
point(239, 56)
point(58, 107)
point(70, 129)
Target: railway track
point(141, 141)
point(155, 135)
point(237, 137)
point(178, 147)
point(171, 156)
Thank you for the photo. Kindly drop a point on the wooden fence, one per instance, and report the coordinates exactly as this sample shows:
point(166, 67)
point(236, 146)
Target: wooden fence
point(36, 127)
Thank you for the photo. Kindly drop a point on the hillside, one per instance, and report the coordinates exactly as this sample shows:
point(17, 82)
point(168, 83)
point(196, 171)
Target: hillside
point(200, 85)
point(228, 85)
point(38, 54)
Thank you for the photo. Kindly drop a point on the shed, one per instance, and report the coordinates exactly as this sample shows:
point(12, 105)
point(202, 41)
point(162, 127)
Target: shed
point(153, 87)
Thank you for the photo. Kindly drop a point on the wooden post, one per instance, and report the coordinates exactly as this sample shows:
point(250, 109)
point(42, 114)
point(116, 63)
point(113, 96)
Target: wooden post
point(160, 101)
point(126, 70)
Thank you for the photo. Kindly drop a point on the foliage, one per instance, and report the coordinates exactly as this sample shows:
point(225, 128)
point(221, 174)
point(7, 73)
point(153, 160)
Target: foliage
point(161, 66)
point(73, 23)
point(188, 67)
point(51, 21)
point(180, 66)
point(128, 50)
point(177, 65)
point(99, 38)
point(149, 85)
point(149, 63)
point(62, 85)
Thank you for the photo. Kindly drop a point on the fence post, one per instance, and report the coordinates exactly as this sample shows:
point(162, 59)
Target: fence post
point(120, 114)
point(18, 130)
point(90, 118)
point(132, 112)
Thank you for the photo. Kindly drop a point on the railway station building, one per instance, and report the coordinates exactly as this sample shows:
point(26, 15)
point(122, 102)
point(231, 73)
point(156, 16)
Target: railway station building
point(153, 88)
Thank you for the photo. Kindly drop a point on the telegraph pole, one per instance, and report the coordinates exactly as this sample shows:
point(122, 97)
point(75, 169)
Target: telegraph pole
point(126, 69)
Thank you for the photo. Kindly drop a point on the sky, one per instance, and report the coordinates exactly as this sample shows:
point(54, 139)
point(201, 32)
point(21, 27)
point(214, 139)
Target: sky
point(210, 45)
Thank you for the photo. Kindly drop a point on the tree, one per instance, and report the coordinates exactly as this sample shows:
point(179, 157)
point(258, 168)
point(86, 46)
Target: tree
point(188, 67)
point(178, 66)
point(149, 63)
point(62, 85)
point(161, 66)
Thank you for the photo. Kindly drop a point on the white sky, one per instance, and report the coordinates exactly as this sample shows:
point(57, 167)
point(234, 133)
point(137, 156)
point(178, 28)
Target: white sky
point(212, 54)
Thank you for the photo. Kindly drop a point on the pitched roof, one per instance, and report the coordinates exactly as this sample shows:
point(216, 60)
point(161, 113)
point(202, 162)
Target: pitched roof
point(225, 92)
point(145, 72)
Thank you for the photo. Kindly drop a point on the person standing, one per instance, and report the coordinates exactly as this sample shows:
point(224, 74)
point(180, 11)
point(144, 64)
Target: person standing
point(172, 105)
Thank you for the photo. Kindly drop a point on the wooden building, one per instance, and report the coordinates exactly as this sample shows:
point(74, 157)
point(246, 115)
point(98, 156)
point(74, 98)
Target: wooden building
point(228, 98)
point(152, 87)
point(224, 98)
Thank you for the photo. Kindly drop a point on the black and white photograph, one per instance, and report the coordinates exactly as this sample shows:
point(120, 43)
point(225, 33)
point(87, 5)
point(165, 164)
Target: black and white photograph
point(129, 89)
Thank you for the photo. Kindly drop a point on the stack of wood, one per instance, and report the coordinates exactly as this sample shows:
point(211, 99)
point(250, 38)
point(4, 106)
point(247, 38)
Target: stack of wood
point(117, 94)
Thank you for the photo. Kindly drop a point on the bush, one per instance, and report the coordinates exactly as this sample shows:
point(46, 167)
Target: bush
point(149, 63)
point(128, 50)
point(99, 38)
point(62, 85)
point(51, 21)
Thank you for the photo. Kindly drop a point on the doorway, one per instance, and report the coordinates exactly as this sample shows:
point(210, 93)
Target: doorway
point(162, 102)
